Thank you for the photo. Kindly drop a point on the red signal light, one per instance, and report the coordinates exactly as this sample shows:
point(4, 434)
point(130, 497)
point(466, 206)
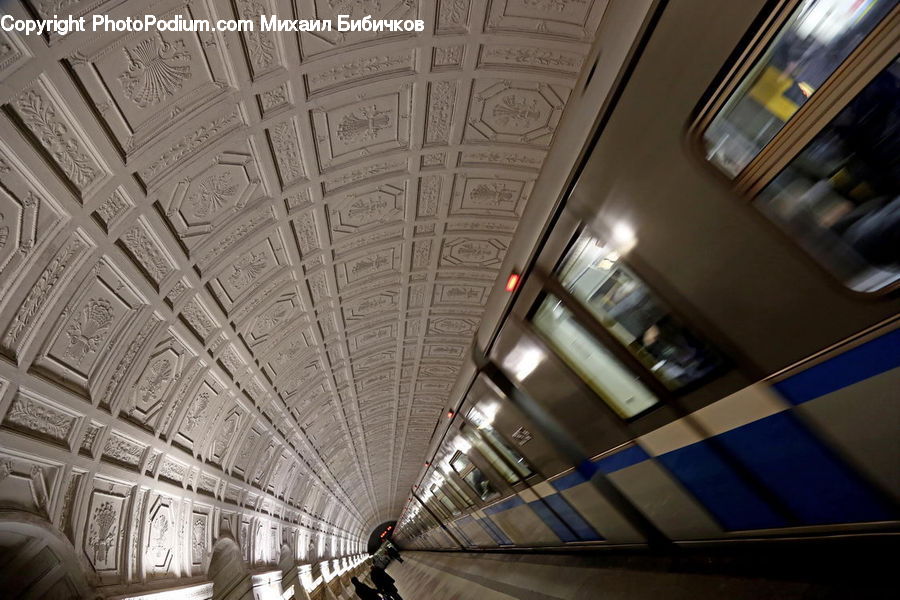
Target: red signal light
point(512, 282)
point(450, 413)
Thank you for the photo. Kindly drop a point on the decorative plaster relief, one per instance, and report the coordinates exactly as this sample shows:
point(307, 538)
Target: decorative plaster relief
point(514, 112)
point(144, 83)
point(105, 522)
point(262, 49)
point(452, 16)
point(565, 19)
point(274, 100)
point(361, 70)
point(360, 211)
point(43, 291)
point(441, 100)
point(30, 413)
point(123, 450)
point(314, 45)
point(89, 328)
point(530, 58)
point(43, 113)
point(159, 547)
point(363, 128)
point(286, 150)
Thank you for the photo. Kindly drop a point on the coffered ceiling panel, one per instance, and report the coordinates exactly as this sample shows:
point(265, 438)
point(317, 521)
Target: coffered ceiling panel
point(250, 265)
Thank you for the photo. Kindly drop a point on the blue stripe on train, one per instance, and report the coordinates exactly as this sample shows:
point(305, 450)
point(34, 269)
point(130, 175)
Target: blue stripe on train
point(507, 504)
point(495, 532)
point(465, 520)
point(808, 477)
point(622, 459)
point(562, 525)
point(561, 529)
point(459, 531)
point(815, 484)
point(568, 481)
point(859, 363)
point(804, 473)
point(480, 522)
point(608, 464)
point(571, 517)
point(731, 501)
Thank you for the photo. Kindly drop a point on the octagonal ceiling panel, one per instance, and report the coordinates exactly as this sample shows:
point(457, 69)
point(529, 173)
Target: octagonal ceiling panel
point(249, 266)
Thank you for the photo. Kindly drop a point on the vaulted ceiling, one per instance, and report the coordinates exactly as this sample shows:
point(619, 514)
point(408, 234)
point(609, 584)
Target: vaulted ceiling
point(249, 266)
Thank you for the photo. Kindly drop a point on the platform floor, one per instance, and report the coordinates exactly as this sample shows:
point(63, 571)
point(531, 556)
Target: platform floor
point(418, 579)
point(465, 576)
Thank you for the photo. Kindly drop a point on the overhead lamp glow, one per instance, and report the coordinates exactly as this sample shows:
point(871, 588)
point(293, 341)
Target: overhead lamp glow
point(623, 236)
point(490, 410)
point(483, 414)
point(522, 361)
point(462, 444)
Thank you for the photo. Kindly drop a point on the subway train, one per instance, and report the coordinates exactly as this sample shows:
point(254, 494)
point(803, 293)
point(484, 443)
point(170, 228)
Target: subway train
point(704, 345)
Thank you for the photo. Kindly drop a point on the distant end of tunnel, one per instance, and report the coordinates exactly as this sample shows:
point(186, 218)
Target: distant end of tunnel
point(380, 535)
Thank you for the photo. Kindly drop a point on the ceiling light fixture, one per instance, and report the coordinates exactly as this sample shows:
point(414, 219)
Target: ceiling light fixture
point(522, 361)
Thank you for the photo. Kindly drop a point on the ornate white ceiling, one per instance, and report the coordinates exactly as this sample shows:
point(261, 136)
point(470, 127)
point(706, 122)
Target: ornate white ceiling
point(250, 265)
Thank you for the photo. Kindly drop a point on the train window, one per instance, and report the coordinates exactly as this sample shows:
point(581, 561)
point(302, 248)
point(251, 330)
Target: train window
point(483, 423)
point(436, 505)
point(473, 476)
point(456, 494)
point(492, 457)
point(448, 504)
point(617, 386)
point(815, 40)
point(840, 197)
point(444, 500)
point(625, 306)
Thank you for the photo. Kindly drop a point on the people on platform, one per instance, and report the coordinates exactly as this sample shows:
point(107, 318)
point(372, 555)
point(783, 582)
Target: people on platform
point(381, 559)
point(364, 592)
point(384, 583)
point(394, 553)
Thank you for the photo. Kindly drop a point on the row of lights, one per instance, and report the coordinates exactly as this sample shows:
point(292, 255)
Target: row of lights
point(623, 237)
point(512, 283)
point(524, 362)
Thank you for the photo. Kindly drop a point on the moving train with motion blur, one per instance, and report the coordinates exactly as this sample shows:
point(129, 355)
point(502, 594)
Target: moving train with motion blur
point(704, 343)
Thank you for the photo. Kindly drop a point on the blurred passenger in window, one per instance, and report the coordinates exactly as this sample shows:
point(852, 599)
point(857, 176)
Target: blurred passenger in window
point(817, 38)
point(840, 195)
point(595, 275)
point(677, 356)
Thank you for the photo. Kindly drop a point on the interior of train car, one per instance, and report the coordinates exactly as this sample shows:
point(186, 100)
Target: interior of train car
point(475, 299)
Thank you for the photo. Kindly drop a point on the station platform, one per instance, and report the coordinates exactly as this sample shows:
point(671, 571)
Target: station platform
point(783, 572)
